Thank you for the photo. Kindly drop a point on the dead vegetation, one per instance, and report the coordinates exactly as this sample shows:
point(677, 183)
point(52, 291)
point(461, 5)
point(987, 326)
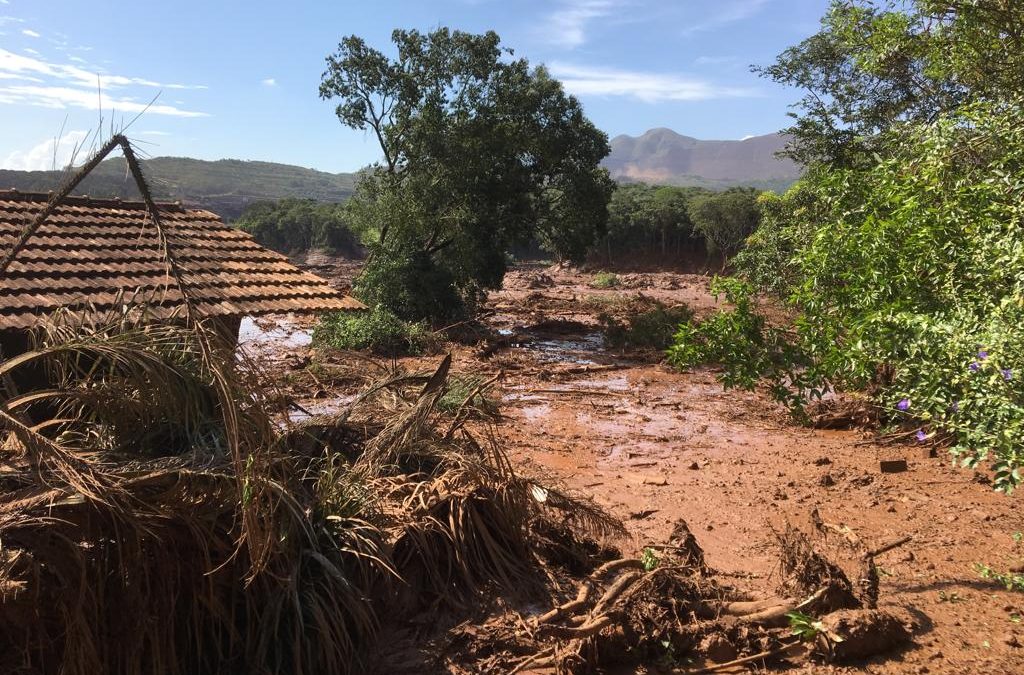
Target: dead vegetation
point(159, 514)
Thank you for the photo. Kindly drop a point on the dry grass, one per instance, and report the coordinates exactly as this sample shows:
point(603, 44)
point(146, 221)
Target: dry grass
point(160, 514)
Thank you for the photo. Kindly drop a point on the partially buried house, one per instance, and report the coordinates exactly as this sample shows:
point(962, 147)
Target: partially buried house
point(95, 256)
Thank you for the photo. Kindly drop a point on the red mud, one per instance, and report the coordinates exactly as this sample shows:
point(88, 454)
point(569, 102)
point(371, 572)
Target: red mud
point(653, 445)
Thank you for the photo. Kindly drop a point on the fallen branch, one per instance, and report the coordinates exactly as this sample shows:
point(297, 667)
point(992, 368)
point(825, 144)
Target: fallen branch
point(614, 591)
point(569, 607)
point(888, 547)
point(585, 392)
point(746, 659)
point(592, 627)
point(458, 420)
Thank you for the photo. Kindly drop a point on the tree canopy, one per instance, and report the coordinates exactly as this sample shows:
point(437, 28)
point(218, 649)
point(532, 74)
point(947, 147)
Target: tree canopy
point(479, 151)
point(877, 64)
point(901, 250)
point(291, 225)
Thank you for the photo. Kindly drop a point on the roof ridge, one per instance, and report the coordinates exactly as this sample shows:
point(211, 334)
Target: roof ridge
point(16, 195)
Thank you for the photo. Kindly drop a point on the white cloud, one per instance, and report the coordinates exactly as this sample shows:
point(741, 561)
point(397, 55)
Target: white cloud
point(269, 82)
point(29, 50)
point(31, 33)
point(42, 157)
point(748, 136)
point(68, 97)
point(76, 59)
point(716, 60)
point(65, 85)
point(567, 26)
point(647, 87)
point(15, 63)
point(154, 133)
point(728, 12)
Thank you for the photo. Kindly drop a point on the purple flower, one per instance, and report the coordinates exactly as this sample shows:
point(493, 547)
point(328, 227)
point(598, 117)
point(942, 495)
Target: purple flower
point(955, 407)
point(904, 404)
point(1007, 374)
point(974, 367)
point(921, 435)
point(982, 355)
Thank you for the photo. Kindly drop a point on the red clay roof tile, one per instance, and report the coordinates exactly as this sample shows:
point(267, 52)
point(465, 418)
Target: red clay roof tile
point(102, 254)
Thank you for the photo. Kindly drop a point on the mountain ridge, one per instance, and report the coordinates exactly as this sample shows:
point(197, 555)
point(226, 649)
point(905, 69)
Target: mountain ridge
point(224, 186)
point(228, 186)
point(664, 156)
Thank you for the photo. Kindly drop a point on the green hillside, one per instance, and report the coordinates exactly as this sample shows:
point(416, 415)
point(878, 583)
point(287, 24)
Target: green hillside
point(225, 187)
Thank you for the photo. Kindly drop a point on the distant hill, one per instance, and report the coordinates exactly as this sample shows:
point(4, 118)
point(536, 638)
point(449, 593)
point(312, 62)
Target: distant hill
point(225, 187)
point(665, 157)
point(228, 186)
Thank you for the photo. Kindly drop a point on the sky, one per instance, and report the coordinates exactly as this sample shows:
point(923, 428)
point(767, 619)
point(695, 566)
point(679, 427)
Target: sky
point(239, 78)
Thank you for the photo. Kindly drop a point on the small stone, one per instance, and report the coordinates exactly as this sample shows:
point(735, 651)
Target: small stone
point(891, 508)
point(893, 465)
point(709, 527)
point(693, 466)
point(952, 518)
point(826, 480)
point(822, 461)
point(1011, 641)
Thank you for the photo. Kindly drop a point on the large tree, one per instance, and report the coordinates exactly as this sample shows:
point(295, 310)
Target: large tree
point(479, 152)
point(879, 64)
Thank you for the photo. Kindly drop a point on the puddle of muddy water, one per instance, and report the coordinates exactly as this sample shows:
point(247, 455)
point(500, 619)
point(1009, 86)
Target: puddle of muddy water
point(578, 351)
point(329, 406)
point(279, 333)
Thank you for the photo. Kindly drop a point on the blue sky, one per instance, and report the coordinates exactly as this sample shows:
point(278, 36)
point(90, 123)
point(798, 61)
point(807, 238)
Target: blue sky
point(239, 78)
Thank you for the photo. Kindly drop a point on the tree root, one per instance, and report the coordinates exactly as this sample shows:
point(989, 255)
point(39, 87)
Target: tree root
point(569, 607)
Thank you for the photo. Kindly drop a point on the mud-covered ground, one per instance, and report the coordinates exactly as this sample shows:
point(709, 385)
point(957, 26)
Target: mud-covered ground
point(653, 445)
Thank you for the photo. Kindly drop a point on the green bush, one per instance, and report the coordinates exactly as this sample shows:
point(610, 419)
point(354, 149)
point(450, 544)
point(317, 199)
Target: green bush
point(740, 339)
point(605, 280)
point(651, 329)
point(414, 287)
point(376, 330)
point(908, 277)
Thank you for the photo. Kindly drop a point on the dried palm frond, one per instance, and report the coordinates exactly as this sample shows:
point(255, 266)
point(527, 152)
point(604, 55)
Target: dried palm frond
point(160, 516)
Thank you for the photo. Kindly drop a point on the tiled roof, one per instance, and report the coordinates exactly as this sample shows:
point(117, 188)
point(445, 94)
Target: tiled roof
point(101, 254)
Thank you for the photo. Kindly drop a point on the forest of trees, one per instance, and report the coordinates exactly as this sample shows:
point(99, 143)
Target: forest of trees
point(294, 225)
point(647, 225)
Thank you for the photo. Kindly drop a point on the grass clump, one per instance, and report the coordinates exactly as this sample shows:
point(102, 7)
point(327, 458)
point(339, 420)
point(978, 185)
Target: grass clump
point(605, 280)
point(377, 330)
point(468, 392)
point(649, 329)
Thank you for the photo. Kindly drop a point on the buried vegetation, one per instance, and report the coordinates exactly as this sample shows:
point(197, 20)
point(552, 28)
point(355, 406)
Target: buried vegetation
point(140, 531)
